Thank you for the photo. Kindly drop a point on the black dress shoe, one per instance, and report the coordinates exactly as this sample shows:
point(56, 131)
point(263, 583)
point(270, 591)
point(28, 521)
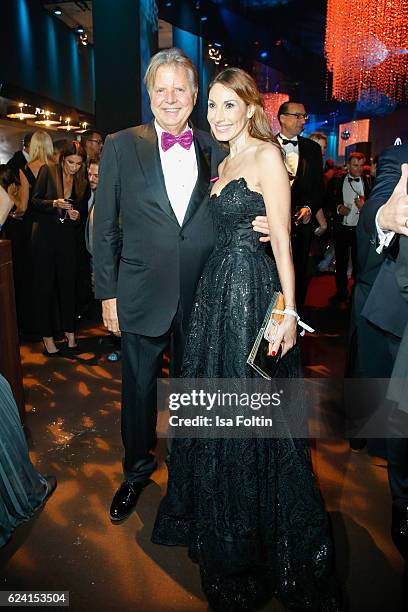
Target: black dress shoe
point(399, 529)
point(125, 499)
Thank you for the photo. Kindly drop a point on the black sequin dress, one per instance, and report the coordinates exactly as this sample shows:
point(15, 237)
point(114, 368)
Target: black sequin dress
point(249, 510)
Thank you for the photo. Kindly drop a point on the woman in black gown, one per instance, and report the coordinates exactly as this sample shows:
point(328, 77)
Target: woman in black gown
point(249, 510)
point(59, 199)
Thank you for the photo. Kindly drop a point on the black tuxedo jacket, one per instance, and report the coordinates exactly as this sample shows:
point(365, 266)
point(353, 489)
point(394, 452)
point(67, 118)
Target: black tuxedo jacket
point(369, 261)
point(141, 254)
point(334, 194)
point(308, 187)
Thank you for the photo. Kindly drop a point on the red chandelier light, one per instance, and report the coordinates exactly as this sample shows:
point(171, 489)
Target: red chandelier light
point(366, 48)
point(272, 102)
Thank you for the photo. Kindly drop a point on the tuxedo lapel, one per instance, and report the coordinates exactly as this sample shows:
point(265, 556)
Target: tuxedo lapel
point(147, 151)
point(302, 159)
point(202, 184)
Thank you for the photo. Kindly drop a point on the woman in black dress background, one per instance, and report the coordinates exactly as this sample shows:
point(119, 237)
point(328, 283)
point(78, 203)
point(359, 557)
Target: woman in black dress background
point(59, 197)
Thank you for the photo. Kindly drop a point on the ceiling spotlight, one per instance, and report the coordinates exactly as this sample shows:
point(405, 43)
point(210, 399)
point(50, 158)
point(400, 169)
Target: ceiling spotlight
point(68, 126)
point(264, 54)
point(57, 11)
point(203, 18)
point(215, 55)
point(168, 4)
point(18, 112)
point(46, 120)
point(80, 30)
point(217, 44)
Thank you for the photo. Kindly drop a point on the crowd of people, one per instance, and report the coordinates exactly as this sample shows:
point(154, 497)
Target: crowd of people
point(185, 241)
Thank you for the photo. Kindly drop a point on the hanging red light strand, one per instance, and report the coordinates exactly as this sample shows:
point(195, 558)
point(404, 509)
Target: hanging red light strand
point(366, 48)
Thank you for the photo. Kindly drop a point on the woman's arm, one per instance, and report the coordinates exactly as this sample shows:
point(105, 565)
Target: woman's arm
point(274, 182)
point(6, 204)
point(23, 194)
point(42, 190)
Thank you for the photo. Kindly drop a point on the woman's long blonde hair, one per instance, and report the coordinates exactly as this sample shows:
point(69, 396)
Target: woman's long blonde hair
point(41, 147)
point(245, 87)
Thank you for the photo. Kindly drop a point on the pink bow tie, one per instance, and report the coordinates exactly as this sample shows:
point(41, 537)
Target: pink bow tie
point(168, 140)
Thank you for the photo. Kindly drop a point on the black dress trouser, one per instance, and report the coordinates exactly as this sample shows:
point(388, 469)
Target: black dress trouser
point(141, 366)
point(344, 242)
point(301, 240)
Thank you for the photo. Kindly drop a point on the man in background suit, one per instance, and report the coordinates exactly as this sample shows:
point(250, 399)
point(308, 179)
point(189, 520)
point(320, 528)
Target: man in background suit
point(303, 159)
point(93, 178)
point(384, 217)
point(345, 197)
point(372, 350)
point(156, 177)
point(20, 158)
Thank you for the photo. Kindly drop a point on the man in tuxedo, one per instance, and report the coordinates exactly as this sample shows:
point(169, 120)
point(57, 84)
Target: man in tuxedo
point(156, 177)
point(384, 217)
point(345, 197)
point(303, 159)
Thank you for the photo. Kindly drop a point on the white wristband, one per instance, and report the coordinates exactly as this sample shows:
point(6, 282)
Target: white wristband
point(293, 313)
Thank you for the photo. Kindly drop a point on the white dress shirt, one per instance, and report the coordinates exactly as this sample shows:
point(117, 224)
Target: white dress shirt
point(180, 173)
point(350, 192)
point(384, 236)
point(291, 155)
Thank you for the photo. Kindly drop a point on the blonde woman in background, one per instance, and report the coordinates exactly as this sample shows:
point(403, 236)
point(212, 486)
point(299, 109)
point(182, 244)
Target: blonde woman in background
point(19, 227)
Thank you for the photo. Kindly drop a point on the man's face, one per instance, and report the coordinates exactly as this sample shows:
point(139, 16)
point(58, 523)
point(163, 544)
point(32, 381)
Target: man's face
point(293, 122)
point(94, 145)
point(93, 176)
point(172, 98)
point(356, 166)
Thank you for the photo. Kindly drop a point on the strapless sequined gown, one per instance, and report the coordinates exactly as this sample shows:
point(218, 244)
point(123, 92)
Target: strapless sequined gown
point(249, 510)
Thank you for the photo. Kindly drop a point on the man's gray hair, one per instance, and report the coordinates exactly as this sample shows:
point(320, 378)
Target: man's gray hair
point(172, 57)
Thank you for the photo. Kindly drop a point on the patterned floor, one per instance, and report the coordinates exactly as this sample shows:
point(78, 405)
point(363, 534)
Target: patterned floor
point(73, 422)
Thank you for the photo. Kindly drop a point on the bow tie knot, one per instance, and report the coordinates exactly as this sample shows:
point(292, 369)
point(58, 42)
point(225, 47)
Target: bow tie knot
point(184, 140)
point(285, 141)
point(353, 180)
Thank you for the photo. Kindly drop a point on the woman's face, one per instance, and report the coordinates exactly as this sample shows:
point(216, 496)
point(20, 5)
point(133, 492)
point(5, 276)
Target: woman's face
point(72, 164)
point(227, 114)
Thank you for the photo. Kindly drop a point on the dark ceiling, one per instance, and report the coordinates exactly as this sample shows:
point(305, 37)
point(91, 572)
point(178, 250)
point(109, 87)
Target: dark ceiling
point(286, 35)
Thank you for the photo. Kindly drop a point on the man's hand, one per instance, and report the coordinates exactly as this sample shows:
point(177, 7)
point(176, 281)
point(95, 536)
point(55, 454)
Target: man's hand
point(260, 225)
point(393, 216)
point(303, 215)
point(344, 210)
point(110, 315)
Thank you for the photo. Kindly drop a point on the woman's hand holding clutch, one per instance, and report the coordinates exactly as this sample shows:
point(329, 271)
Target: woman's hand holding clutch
point(285, 336)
